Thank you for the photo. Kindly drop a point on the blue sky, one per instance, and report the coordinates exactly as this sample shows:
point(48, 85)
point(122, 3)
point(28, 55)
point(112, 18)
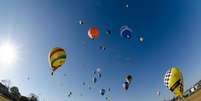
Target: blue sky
point(172, 38)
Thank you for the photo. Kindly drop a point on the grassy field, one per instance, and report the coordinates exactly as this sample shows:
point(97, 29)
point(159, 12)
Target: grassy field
point(4, 99)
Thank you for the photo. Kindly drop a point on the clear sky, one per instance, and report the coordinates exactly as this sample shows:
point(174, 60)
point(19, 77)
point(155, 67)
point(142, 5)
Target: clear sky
point(171, 29)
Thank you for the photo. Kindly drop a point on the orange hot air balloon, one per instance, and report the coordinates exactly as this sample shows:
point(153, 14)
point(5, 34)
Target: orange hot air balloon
point(93, 33)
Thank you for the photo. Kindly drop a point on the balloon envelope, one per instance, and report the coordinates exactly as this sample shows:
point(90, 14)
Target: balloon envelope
point(109, 89)
point(126, 32)
point(173, 80)
point(81, 22)
point(141, 39)
point(125, 86)
point(129, 79)
point(69, 94)
point(93, 33)
point(94, 80)
point(158, 93)
point(102, 47)
point(108, 32)
point(102, 92)
point(57, 57)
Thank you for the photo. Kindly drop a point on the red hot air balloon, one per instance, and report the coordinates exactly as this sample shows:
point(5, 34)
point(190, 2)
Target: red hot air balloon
point(93, 33)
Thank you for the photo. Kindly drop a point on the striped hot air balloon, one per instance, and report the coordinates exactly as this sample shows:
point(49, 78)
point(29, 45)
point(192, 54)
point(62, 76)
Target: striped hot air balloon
point(56, 58)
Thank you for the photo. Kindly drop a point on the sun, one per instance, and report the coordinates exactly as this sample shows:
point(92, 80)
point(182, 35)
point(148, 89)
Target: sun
point(8, 53)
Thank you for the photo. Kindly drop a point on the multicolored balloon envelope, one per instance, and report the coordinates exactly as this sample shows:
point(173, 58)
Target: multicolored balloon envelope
point(93, 33)
point(57, 57)
point(173, 80)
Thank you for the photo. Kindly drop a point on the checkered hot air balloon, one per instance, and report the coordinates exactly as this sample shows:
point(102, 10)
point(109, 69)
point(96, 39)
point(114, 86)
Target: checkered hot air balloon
point(173, 80)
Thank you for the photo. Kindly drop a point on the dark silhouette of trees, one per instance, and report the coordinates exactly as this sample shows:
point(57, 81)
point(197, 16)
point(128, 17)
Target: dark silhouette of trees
point(33, 97)
point(14, 93)
point(23, 98)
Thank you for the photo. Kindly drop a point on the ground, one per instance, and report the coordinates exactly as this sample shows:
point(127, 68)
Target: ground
point(194, 97)
point(4, 99)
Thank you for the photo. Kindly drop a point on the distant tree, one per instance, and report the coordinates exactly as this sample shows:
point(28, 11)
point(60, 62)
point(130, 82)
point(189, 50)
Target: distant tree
point(14, 92)
point(33, 97)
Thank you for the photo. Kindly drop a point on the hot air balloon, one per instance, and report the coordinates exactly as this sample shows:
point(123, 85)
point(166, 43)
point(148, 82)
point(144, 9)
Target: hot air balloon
point(173, 80)
point(69, 94)
point(109, 89)
point(99, 75)
point(93, 33)
point(108, 32)
point(96, 75)
point(126, 5)
point(81, 22)
point(98, 70)
point(158, 93)
point(102, 92)
point(56, 58)
point(126, 32)
point(129, 79)
point(125, 86)
point(94, 80)
point(102, 47)
point(141, 39)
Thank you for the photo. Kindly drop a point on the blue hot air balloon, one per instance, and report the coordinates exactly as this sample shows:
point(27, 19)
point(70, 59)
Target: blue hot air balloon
point(126, 32)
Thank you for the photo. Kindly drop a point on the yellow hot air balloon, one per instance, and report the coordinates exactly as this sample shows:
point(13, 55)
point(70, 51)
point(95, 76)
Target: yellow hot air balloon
point(56, 58)
point(173, 80)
